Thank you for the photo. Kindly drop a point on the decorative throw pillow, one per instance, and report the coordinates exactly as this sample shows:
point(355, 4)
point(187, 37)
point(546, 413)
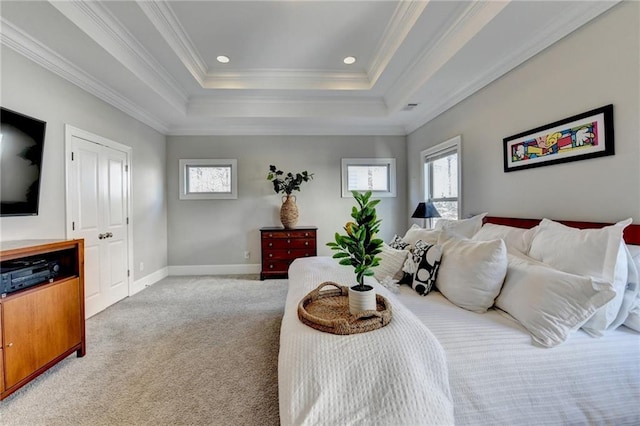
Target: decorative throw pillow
point(416, 233)
point(471, 272)
point(597, 253)
point(398, 243)
point(391, 261)
point(422, 266)
point(549, 303)
point(515, 238)
point(464, 227)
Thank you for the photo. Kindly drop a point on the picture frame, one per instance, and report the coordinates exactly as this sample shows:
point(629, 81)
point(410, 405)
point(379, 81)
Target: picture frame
point(579, 137)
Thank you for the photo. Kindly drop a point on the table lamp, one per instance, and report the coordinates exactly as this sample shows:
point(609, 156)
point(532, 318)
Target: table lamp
point(426, 211)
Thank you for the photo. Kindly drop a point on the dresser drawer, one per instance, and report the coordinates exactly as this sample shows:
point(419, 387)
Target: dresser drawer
point(275, 254)
point(308, 233)
point(276, 266)
point(288, 243)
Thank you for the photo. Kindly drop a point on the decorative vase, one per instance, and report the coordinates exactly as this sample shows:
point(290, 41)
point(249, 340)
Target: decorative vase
point(362, 300)
point(289, 211)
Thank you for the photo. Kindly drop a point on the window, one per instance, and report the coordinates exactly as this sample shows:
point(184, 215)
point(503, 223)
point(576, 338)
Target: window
point(369, 174)
point(442, 177)
point(208, 179)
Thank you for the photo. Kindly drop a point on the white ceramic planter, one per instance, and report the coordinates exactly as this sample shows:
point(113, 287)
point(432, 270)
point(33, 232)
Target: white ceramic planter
point(361, 300)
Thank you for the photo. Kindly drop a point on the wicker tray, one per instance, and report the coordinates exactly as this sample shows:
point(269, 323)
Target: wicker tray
point(328, 311)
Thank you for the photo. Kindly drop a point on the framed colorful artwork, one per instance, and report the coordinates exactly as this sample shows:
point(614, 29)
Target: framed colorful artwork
point(586, 135)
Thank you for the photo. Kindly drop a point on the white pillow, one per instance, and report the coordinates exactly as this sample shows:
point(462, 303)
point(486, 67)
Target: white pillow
point(471, 272)
point(549, 303)
point(391, 261)
point(631, 291)
point(633, 317)
point(515, 238)
point(464, 227)
point(416, 233)
point(597, 253)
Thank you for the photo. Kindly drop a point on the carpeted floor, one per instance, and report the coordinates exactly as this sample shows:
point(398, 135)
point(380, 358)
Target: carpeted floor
point(187, 350)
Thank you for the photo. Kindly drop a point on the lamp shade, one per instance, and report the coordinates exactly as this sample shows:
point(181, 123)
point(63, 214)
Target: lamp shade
point(425, 211)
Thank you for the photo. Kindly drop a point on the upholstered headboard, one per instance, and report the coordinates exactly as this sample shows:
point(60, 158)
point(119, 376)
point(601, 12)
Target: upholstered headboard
point(631, 232)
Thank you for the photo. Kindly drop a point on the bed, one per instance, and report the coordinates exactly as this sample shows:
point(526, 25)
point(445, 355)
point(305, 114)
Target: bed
point(437, 363)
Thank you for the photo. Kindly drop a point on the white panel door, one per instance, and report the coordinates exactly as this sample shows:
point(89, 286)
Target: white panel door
point(98, 193)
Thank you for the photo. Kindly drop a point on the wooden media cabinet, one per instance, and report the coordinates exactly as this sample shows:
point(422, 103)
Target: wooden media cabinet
point(40, 325)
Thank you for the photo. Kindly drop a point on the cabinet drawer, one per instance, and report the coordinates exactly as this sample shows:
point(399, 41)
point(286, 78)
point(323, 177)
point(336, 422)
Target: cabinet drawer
point(288, 243)
point(271, 254)
point(276, 266)
point(310, 233)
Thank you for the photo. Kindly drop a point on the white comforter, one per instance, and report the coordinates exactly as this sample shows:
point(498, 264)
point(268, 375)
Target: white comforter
point(396, 375)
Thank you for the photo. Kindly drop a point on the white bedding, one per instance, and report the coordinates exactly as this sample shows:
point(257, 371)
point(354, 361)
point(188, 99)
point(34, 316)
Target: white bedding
point(483, 368)
point(498, 377)
point(392, 376)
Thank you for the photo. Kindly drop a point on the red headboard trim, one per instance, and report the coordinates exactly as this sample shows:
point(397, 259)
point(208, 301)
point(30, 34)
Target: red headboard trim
point(631, 232)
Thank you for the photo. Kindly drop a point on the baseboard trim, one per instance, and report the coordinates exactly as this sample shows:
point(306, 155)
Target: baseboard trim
point(214, 269)
point(148, 280)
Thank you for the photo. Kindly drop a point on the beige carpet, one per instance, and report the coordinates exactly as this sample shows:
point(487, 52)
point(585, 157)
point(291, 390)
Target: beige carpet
point(187, 350)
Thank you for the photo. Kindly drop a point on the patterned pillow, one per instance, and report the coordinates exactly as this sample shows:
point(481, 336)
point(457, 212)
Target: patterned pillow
point(391, 261)
point(421, 267)
point(398, 243)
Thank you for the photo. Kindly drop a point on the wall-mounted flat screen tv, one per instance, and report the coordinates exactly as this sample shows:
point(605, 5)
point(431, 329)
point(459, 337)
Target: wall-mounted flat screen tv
point(21, 149)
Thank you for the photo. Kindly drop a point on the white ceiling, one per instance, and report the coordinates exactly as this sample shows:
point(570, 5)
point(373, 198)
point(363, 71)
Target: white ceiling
point(156, 60)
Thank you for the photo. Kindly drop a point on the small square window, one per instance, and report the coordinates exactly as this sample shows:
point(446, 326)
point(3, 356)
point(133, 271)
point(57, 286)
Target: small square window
point(208, 179)
point(377, 175)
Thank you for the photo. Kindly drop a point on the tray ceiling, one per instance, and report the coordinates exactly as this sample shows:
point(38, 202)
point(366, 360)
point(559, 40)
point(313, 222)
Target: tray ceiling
point(156, 60)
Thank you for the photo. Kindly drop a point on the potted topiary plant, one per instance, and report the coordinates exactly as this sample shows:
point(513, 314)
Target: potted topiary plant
point(358, 249)
point(286, 184)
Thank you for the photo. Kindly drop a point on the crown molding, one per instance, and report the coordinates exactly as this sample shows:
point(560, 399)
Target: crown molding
point(475, 17)
point(104, 28)
point(290, 79)
point(17, 40)
point(555, 29)
point(169, 27)
point(404, 18)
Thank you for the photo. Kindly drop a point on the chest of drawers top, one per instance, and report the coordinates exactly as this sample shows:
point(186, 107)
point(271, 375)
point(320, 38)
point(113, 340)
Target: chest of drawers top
point(275, 232)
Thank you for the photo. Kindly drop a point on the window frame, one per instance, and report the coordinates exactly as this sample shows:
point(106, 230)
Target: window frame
point(449, 146)
point(210, 162)
point(390, 163)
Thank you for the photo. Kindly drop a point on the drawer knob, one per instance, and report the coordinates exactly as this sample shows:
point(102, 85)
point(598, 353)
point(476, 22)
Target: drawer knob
point(270, 266)
point(270, 254)
point(270, 235)
point(270, 244)
point(288, 251)
point(288, 241)
point(306, 243)
point(288, 234)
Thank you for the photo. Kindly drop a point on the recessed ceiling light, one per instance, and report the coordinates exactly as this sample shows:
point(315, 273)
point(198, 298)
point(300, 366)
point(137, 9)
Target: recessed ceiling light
point(223, 59)
point(349, 60)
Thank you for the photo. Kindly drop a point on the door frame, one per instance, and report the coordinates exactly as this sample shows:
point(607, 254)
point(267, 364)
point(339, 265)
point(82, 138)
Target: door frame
point(70, 132)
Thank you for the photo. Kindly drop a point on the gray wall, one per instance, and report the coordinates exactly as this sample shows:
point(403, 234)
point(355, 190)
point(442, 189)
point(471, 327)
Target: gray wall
point(29, 89)
point(595, 66)
point(217, 232)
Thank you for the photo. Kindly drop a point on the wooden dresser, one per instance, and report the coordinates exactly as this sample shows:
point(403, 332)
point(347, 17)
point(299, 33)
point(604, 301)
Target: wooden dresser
point(40, 324)
point(281, 246)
